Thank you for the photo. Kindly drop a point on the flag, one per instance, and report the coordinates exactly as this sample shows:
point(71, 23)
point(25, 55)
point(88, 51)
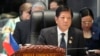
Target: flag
point(10, 45)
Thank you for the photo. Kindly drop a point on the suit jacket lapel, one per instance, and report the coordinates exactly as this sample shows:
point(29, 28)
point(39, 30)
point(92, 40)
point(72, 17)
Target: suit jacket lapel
point(54, 35)
point(70, 38)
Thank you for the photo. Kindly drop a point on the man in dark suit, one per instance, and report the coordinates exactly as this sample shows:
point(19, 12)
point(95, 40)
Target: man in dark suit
point(22, 32)
point(73, 37)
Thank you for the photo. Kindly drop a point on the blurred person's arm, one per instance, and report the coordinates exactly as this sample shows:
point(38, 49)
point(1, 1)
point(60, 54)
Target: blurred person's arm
point(97, 52)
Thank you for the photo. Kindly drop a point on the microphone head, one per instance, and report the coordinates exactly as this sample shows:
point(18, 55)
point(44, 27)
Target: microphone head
point(84, 48)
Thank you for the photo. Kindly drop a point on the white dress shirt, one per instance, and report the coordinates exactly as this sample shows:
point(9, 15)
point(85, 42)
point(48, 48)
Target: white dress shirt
point(60, 36)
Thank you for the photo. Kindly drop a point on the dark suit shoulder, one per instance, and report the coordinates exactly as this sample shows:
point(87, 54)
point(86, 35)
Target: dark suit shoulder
point(49, 29)
point(23, 22)
point(77, 30)
point(73, 29)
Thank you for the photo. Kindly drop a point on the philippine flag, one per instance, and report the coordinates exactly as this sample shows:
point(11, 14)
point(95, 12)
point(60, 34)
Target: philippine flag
point(10, 45)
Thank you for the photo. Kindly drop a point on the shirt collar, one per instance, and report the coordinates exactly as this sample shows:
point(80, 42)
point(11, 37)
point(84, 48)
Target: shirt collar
point(59, 31)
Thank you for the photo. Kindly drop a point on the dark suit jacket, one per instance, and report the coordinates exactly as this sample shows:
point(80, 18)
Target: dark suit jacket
point(48, 36)
point(22, 32)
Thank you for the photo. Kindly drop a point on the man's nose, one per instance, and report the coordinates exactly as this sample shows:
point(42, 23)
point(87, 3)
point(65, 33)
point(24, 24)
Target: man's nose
point(87, 24)
point(65, 20)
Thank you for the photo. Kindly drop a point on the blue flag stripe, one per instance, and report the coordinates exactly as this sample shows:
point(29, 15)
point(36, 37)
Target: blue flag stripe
point(13, 43)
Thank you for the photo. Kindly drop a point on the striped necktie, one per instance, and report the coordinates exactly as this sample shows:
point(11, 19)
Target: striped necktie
point(63, 43)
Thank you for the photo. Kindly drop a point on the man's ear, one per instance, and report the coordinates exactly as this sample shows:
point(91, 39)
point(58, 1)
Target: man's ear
point(55, 18)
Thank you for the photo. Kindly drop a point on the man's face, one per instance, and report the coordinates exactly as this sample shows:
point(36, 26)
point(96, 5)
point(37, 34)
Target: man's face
point(64, 20)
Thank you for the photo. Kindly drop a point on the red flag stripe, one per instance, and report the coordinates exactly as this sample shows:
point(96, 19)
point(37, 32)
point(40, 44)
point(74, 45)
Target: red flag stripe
point(8, 48)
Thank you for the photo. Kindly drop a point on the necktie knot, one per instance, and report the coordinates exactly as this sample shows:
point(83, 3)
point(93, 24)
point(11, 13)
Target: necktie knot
point(62, 34)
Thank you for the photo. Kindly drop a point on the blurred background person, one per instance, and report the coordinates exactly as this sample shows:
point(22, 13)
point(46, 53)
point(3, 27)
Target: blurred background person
point(25, 10)
point(90, 30)
point(11, 23)
point(24, 15)
point(97, 21)
point(53, 5)
point(38, 6)
point(23, 29)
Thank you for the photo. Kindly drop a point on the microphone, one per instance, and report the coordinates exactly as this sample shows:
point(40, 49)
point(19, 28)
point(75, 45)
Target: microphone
point(84, 48)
